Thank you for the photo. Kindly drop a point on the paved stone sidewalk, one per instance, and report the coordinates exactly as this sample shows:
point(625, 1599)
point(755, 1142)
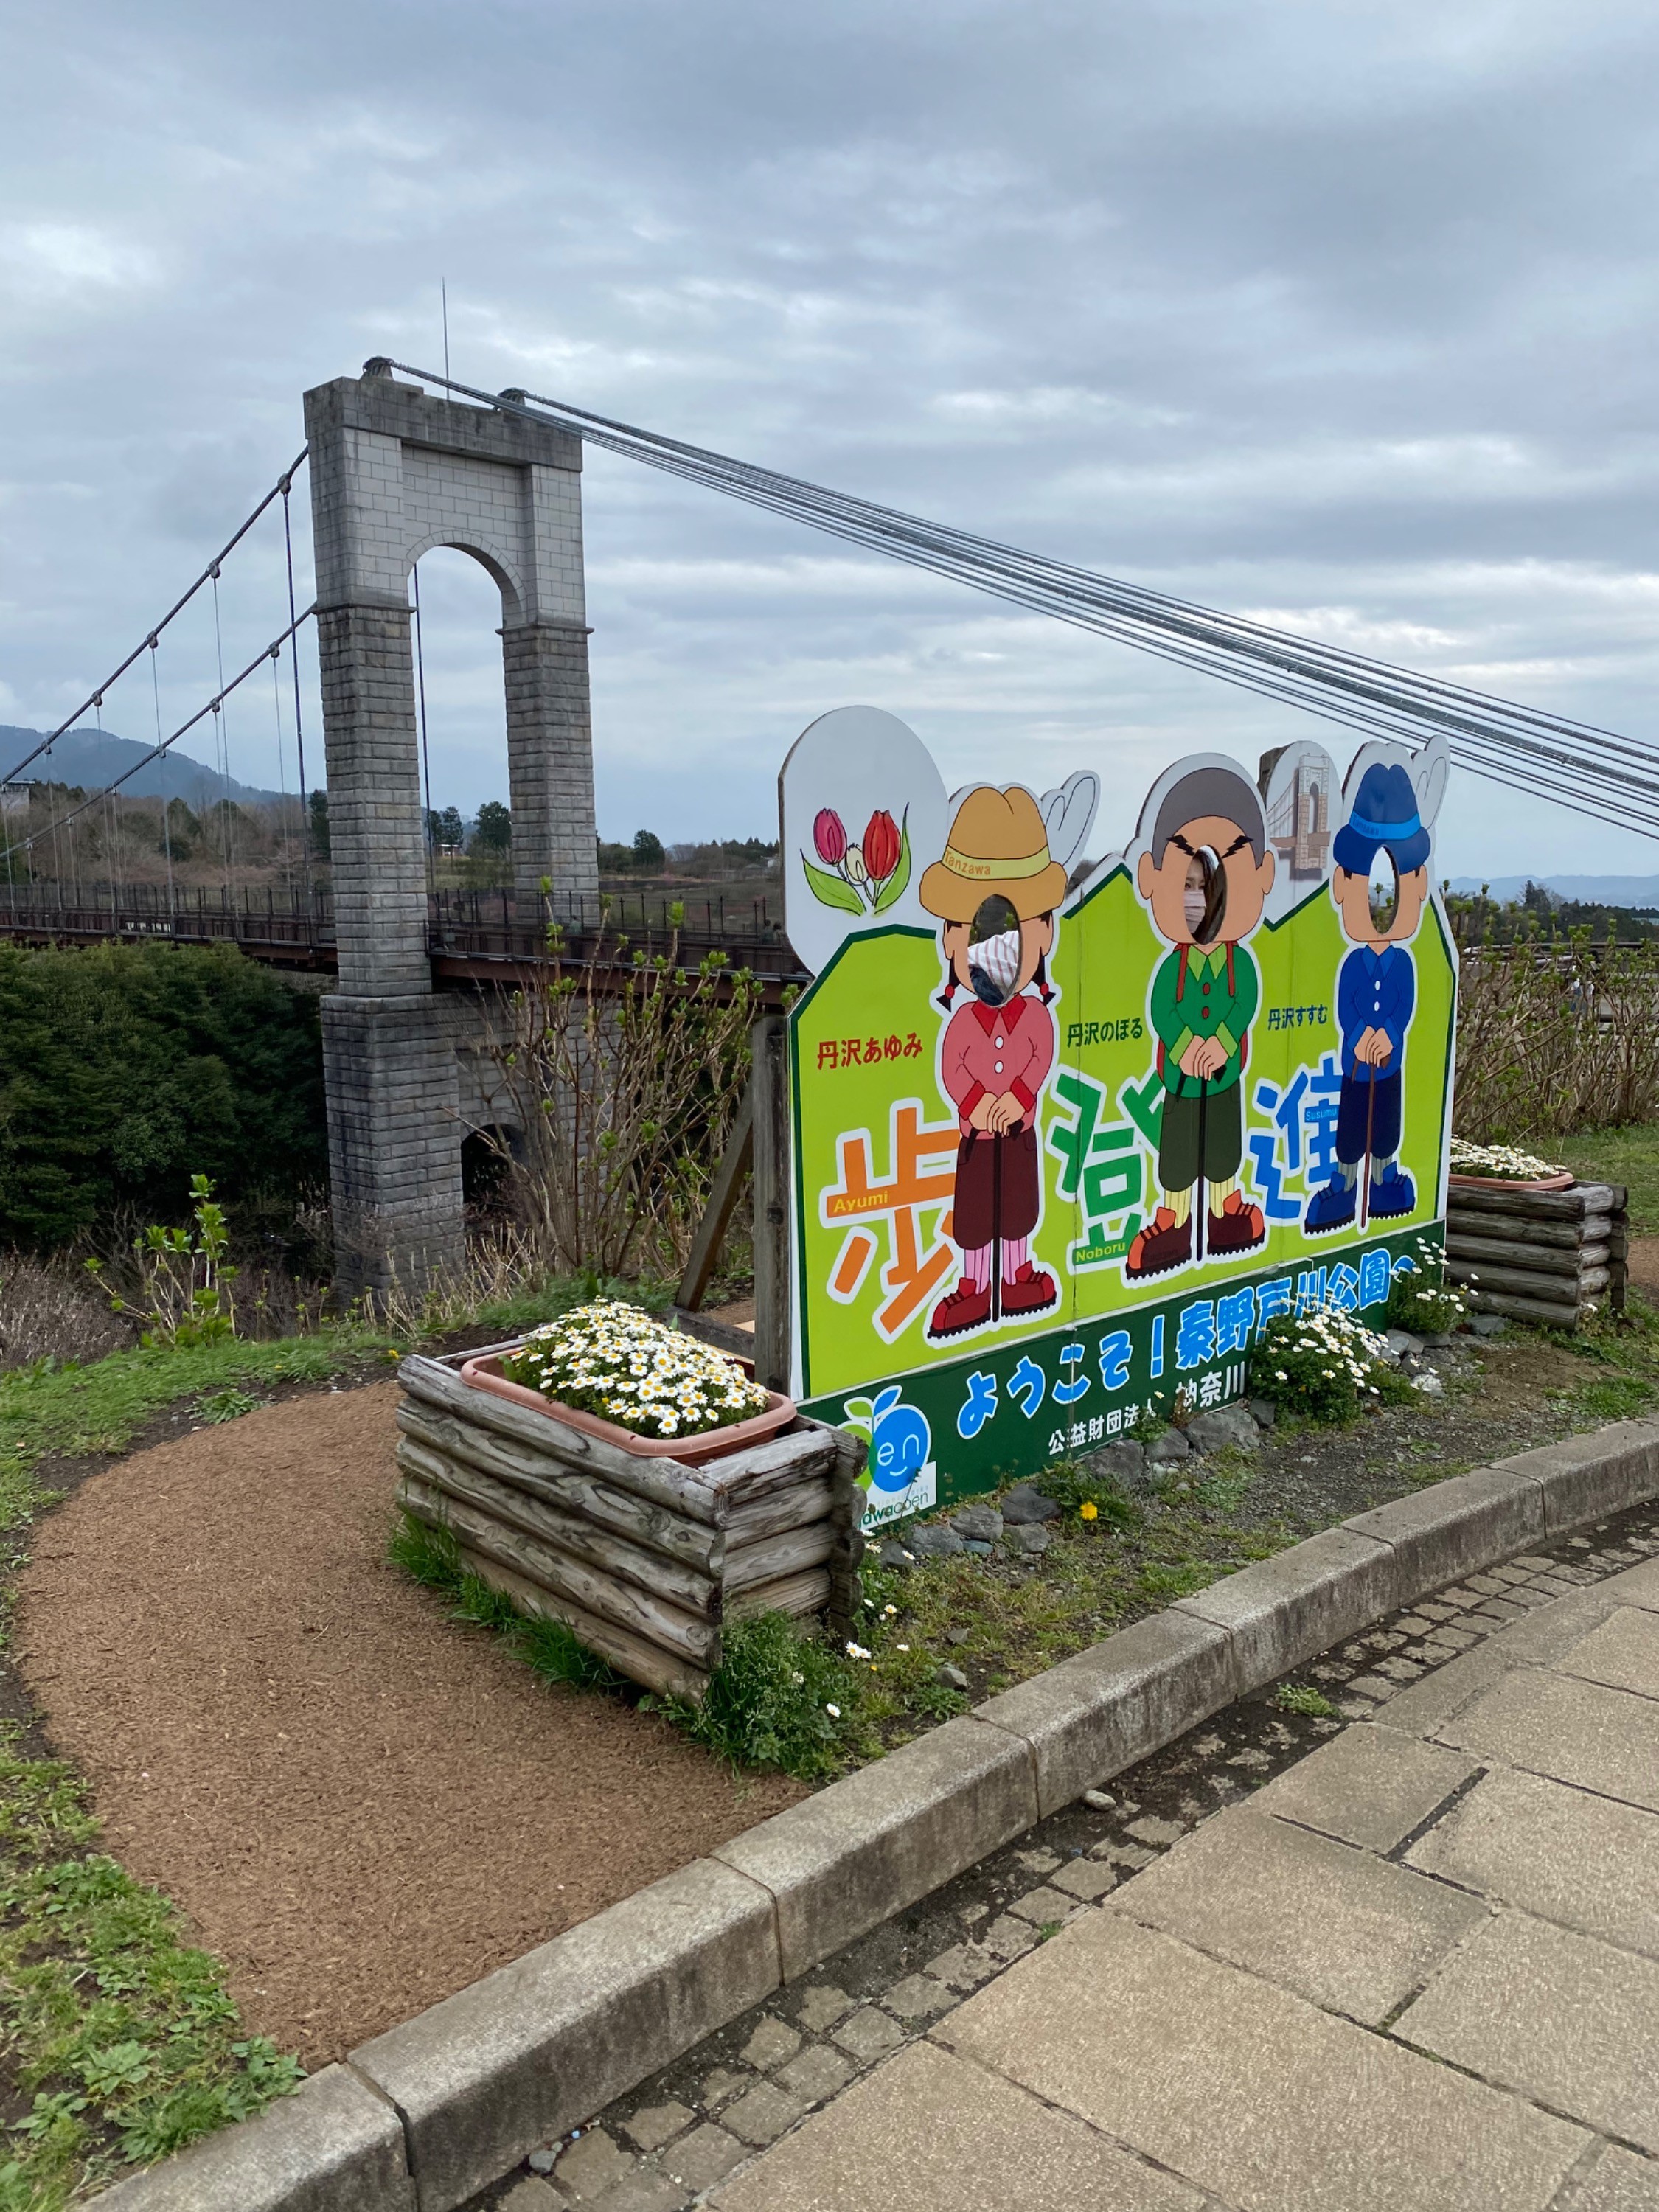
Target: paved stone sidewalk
point(1419, 1972)
point(839, 2058)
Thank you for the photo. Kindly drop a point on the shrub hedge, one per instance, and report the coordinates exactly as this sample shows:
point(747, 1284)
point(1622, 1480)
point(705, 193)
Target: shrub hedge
point(125, 1068)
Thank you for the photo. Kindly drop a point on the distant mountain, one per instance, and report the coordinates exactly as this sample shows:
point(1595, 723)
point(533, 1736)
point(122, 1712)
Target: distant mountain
point(94, 758)
point(1640, 892)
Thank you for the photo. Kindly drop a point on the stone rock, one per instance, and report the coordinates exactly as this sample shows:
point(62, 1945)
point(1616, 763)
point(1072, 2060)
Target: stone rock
point(1123, 1463)
point(1029, 1538)
point(953, 1678)
point(1102, 1801)
point(1439, 1339)
point(958, 1635)
point(1223, 1426)
point(973, 1545)
point(1023, 1506)
point(1430, 1385)
point(1484, 1324)
point(895, 1554)
point(938, 1542)
point(1400, 1341)
point(978, 1523)
point(1172, 1445)
point(1263, 1413)
point(541, 2161)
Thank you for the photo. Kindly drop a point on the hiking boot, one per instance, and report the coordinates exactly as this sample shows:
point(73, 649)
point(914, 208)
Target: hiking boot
point(1163, 1243)
point(1031, 1291)
point(1393, 1193)
point(964, 1308)
point(1237, 1228)
point(1329, 1208)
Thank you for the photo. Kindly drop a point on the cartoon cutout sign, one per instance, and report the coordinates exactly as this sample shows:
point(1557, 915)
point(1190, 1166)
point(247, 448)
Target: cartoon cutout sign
point(996, 889)
point(1379, 886)
point(1204, 871)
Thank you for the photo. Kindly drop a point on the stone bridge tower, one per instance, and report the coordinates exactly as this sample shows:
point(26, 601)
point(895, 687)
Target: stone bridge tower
point(394, 474)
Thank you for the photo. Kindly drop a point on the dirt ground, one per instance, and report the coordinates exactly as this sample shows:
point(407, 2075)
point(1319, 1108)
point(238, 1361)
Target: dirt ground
point(1645, 1265)
point(361, 1805)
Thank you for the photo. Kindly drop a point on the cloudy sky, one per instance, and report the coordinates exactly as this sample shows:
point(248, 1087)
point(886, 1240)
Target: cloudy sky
point(1338, 311)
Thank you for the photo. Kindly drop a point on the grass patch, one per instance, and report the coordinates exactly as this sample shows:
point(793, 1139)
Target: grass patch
point(1302, 1698)
point(1630, 1155)
point(118, 2034)
point(228, 1405)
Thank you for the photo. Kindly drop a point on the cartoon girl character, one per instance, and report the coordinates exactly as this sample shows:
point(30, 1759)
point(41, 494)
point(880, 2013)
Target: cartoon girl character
point(995, 890)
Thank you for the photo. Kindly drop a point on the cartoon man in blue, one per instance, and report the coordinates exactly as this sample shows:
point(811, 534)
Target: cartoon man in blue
point(1376, 995)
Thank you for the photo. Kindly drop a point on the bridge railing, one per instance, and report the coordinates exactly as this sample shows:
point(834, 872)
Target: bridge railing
point(276, 922)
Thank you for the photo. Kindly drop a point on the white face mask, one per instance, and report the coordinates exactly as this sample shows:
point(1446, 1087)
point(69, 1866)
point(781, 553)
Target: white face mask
point(1194, 902)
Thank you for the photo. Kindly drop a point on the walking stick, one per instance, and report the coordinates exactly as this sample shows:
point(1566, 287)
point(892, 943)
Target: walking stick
point(1365, 1183)
point(1203, 1190)
point(996, 1228)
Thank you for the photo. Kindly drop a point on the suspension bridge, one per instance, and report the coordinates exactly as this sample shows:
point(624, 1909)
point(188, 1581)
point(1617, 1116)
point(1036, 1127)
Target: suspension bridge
point(401, 461)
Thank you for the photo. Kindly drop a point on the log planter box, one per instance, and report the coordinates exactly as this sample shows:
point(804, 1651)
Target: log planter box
point(645, 1557)
point(1538, 1255)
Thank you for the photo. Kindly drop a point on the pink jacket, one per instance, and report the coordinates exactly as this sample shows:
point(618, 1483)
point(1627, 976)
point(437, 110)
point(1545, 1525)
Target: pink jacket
point(996, 1048)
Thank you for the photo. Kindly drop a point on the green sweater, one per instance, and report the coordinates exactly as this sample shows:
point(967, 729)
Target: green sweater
point(1207, 1007)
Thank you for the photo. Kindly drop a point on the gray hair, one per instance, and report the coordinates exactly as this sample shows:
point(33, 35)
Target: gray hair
point(1219, 791)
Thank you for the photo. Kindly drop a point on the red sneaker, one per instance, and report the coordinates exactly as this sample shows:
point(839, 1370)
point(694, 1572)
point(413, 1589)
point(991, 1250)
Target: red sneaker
point(964, 1308)
point(1162, 1244)
point(1031, 1291)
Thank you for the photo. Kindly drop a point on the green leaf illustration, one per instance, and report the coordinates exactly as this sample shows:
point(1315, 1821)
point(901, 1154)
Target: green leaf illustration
point(831, 890)
point(894, 886)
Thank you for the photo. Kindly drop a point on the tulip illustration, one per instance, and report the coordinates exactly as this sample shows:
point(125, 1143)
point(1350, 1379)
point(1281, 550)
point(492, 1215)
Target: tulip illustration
point(882, 844)
point(829, 835)
point(860, 878)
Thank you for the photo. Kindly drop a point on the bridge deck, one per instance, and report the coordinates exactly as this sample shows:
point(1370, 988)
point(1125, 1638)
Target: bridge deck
point(473, 937)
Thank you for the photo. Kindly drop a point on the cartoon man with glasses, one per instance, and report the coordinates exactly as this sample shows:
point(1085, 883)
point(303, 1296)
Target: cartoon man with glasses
point(1204, 875)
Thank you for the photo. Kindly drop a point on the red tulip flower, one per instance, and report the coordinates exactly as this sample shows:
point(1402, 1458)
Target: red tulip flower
point(881, 845)
point(829, 835)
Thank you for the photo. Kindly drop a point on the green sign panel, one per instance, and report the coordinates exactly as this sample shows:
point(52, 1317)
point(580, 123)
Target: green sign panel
point(1067, 1134)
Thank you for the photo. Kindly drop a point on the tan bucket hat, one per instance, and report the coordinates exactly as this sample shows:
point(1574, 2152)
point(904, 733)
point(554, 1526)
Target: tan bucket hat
point(997, 843)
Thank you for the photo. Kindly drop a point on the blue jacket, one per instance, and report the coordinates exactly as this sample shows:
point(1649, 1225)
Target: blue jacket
point(1375, 990)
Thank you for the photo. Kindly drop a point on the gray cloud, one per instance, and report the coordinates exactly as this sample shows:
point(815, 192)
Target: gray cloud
point(1347, 314)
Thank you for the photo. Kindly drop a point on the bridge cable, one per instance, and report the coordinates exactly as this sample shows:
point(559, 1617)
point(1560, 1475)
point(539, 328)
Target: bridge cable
point(1526, 748)
point(299, 723)
point(157, 751)
point(167, 831)
point(279, 489)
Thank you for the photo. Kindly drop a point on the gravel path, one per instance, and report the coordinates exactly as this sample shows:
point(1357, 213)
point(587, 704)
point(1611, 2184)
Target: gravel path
point(361, 1805)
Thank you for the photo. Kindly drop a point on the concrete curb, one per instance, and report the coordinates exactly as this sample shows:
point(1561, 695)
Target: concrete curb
point(431, 2111)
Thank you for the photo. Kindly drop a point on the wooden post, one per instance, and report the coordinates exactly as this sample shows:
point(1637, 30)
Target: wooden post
point(770, 1090)
point(717, 1213)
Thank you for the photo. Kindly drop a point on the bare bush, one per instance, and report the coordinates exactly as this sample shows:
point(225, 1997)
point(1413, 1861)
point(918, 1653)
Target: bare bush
point(624, 1075)
point(1551, 1039)
point(49, 1309)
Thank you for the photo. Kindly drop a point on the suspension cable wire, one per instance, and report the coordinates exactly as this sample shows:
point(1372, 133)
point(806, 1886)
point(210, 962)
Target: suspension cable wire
point(222, 754)
point(279, 489)
point(426, 758)
point(167, 828)
point(282, 771)
point(157, 752)
point(1593, 770)
point(113, 833)
point(298, 723)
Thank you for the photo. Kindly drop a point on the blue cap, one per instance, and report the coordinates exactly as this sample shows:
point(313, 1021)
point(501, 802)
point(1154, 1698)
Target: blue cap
point(1384, 817)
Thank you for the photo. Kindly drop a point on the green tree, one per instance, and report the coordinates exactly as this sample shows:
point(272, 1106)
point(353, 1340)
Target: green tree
point(319, 837)
point(648, 851)
point(493, 830)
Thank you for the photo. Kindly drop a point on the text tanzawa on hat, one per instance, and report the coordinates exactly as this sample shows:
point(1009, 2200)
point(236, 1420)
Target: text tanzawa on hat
point(1384, 816)
point(998, 844)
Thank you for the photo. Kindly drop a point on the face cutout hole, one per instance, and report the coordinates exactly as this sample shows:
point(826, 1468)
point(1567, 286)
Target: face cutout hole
point(1205, 897)
point(993, 950)
point(1383, 889)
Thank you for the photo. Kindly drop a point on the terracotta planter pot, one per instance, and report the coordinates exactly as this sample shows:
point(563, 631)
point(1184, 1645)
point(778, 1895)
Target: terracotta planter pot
point(1564, 1181)
point(485, 1374)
